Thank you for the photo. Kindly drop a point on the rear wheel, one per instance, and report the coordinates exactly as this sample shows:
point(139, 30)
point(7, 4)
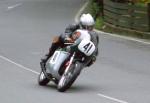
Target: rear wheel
point(42, 80)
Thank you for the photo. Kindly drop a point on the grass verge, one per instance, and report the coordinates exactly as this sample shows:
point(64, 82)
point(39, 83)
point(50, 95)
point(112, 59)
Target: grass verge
point(96, 11)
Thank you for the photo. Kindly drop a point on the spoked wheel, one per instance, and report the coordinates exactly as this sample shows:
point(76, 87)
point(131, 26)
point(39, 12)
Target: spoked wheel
point(65, 83)
point(42, 80)
point(68, 79)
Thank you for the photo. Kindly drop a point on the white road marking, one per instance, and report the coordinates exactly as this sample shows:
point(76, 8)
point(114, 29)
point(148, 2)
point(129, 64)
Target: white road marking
point(19, 65)
point(80, 12)
point(111, 98)
point(28, 69)
point(13, 6)
point(125, 37)
point(114, 35)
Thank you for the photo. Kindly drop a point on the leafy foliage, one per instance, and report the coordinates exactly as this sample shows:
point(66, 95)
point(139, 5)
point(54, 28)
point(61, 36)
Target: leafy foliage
point(132, 1)
point(144, 1)
point(95, 8)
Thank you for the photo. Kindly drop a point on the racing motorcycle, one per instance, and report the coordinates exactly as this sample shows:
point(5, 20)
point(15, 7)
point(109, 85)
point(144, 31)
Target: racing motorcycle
point(66, 63)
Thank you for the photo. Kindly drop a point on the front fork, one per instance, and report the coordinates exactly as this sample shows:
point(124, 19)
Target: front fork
point(70, 62)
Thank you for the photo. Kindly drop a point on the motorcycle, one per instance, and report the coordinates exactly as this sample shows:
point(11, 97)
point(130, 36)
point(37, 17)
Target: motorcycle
point(66, 63)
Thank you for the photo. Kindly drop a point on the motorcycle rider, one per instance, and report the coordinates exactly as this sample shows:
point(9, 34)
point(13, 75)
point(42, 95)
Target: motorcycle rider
point(86, 22)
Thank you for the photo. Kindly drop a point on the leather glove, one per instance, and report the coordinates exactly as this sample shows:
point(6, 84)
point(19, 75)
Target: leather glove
point(93, 59)
point(69, 40)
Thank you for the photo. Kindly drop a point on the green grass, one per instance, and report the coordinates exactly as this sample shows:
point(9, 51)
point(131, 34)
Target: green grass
point(99, 23)
point(94, 9)
point(124, 32)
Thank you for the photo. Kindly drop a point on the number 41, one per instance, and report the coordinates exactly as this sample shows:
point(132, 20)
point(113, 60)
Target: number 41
point(87, 47)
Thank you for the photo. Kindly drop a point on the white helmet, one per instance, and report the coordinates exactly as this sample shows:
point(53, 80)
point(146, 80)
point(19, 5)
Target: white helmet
point(87, 20)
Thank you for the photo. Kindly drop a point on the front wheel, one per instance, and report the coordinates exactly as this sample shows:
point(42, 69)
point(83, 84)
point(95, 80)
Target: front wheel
point(68, 79)
point(42, 80)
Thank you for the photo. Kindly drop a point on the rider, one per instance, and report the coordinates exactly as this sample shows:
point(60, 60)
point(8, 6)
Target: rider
point(86, 22)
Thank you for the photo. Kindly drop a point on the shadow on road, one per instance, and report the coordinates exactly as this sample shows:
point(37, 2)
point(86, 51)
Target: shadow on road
point(80, 88)
point(73, 88)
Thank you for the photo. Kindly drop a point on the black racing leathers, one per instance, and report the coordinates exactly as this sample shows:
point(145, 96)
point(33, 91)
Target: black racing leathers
point(72, 28)
point(68, 32)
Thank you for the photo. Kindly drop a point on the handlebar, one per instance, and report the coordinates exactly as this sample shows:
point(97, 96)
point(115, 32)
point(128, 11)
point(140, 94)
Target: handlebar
point(68, 43)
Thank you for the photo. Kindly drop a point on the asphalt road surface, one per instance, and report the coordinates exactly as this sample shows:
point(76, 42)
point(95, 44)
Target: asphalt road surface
point(120, 75)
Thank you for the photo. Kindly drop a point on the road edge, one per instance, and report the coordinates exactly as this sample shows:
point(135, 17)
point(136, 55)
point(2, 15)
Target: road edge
point(81, 10)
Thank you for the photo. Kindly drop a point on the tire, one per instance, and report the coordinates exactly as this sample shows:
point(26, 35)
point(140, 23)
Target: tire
point(66, 80)
point(42, 80)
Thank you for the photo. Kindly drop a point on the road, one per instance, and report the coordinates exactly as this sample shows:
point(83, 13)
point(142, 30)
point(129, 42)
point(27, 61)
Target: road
point(120, 75)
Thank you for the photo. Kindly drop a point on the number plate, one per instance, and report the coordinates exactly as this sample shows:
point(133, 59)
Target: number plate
point(55, 57)
point(87, 47)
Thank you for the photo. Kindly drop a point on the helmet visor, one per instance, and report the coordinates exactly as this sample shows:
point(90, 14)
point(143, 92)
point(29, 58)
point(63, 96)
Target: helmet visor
point(90, 28)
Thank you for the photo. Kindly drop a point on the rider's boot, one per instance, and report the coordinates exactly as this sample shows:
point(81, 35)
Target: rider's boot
point(54, 46)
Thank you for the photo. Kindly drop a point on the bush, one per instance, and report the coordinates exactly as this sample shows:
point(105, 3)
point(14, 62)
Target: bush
point(140, 1)
point(95, 9)
point(99, 23)
point(144, 1)
point(132, 1)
